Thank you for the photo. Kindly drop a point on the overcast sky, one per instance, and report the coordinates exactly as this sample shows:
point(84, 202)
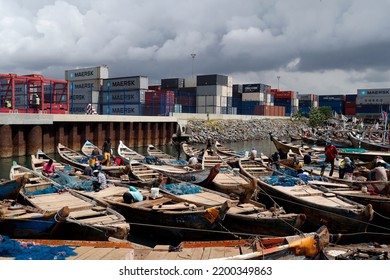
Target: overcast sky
point(314, 46)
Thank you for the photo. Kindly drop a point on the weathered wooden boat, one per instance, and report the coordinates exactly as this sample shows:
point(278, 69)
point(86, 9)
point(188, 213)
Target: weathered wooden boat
point(128, 154)
point(320, 206)
point(160, 215)
point(226, 151)
point(164, 157)
point(21, 221)
point(39, 160)
point(201, 177)
point(88, 148)
point(190, 150)
point(250, 218)
point(55, 249)
point(360, 141)
point(306, 245)
point(285, 147)
point(9, 189)
point(80, 161)
point(88, 219)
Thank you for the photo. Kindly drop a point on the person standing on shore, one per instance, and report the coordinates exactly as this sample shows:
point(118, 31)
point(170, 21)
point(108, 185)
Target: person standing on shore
point(331, 153)
point(107, 152)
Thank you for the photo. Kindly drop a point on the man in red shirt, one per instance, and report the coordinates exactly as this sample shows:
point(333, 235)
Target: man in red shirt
point(330, 154)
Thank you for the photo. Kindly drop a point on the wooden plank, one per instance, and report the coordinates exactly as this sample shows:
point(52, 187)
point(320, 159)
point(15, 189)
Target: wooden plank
point(156, 255)
point(232, 251)
point(217, 252)
point(185, 254)
point(197, 254)
point(100, 220)
point(120, 254)
point(80, 251)
point(206, 253)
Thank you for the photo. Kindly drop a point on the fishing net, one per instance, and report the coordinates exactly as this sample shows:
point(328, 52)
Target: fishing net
point(285, 181)
point(73, 182)
point(180, 189)
point(29, 251)
point(352, 150)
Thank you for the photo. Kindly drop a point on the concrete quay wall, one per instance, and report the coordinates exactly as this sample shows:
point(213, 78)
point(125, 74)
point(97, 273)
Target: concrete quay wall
point(24, 134)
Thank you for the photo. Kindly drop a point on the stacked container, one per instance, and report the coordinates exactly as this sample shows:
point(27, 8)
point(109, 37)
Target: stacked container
point(306, 102)
point(123, 96)
point(350, 104)
point(371, 102)
point(212, 94)
point(335, 102)
point(84, 85)
point(159, 103)
point(287, 100)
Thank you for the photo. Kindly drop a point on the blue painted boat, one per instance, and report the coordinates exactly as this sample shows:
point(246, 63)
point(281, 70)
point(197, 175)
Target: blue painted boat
point(9, 189)
point(21, 221)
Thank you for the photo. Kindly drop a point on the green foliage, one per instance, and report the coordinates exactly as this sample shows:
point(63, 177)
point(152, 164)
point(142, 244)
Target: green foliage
point(297, 116)
point(317, 116)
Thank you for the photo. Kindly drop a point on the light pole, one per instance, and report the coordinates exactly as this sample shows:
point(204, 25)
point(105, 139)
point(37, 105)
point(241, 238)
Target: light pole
point(193, 59)
point(278, 81)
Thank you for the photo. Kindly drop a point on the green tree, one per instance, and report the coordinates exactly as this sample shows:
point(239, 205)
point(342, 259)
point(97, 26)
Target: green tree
point(317, 116)
point(297, 116)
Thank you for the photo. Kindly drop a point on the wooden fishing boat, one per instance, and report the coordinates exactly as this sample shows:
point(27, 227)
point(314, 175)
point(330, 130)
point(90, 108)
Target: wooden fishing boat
point(251, 218)
point(39, 160)
point(285, 147)
point(320, 206)
point(21, 221)
point(308, 245)
point(56, 249)
point(186, 174)
point(88, 148)
point(88, 219)
point(80, 161)
point(128, 154)
point(160, 215)
point(9, 189)
point(360, 141)
point(226, 151)
point(164, 157)
point(190, 150)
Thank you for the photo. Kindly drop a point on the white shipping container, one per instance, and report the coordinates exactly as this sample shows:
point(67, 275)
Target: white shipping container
point(178, 108)
point(296, 102)
point(230, 82)
point(90, 73)
point(208, 100)
point(253, 96)
point(84, 97)
point(190, 82)
point(127, 83)
point(80, 108)
point(209, 109)
point(123, 109)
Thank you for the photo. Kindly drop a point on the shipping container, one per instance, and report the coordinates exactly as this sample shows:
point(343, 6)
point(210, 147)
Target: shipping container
point(125, 83)
point(350, 97)
point(284, 94)
point(283, 101)
point(253, 96)
point(214, 79)
point(178, 108)
point(81, 108)
point(155, 87)
point(123, 109)
point(350, 111)
point(122, 96)
point(209, 109)
point(331, 98)
point(211, 101)
point(306, 97)
point(256, 88)
point(91, 73)
point(373, 96)
point(174, 83)
point(237, 89)
point(215, 90)
point(190, 82)
point(368, 109)
point(84, 97)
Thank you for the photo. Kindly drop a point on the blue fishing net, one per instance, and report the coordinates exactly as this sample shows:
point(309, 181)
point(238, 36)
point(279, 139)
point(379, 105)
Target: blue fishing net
point(28, 251)
point(285, 181)
point(47, 190)
point(180, 189)
point(178, 162)
point(352, 150)
point(285, 172)
point(73, 182)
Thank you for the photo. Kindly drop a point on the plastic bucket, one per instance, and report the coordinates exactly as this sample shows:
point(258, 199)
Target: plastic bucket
point(155, 192)
point(246, 153)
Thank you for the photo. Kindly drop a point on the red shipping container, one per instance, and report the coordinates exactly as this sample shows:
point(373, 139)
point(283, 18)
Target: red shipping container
point(350, 111)
point(285, 94)
point(155, 88)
